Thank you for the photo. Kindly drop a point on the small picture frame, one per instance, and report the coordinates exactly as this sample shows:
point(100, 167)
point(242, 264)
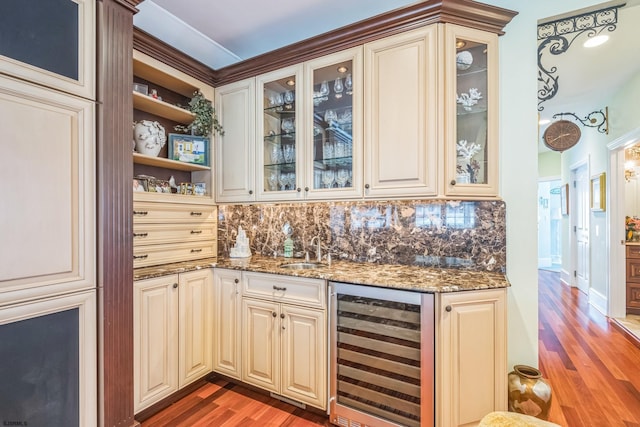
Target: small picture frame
point(564, 199)
point(140, 184)
point(158, 186)
point(186, 188)
point(189, 149)
point(200, 189)
point(598, 192)
point(141, 88)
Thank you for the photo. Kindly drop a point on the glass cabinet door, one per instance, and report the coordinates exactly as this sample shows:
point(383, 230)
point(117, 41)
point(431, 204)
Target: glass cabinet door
point(333, 83)
point(278, 103)
point(472, 163)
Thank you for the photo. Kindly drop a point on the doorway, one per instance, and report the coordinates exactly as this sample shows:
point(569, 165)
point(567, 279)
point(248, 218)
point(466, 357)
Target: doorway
point(549, 225)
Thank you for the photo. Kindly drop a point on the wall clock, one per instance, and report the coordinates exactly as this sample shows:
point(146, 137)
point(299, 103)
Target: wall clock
point(561, 135)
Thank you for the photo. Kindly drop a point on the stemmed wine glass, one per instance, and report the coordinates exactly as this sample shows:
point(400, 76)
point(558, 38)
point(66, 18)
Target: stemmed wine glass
point(288, 99)
point(342, 177)
point(283, 180)
point(288, 153)
point(348, 83)
point(324, 90)
point(330, 117)
point(338, 87)
point(273, 180)
point(328, 178)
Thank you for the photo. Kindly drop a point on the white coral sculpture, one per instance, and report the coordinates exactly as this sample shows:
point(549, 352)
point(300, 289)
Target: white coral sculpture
point(468, 100)
point(467, 150)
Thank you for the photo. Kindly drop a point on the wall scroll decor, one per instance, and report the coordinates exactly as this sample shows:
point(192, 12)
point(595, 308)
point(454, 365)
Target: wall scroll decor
point(595, 119)
point(557, 36)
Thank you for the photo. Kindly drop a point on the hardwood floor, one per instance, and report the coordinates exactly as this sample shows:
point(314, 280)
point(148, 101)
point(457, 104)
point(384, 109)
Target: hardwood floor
point(593, 369)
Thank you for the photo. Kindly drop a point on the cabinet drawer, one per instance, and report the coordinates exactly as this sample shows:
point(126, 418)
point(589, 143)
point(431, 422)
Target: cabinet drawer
point(144, 256)
point(151, 234)
point(294, 290)
point(144, 213)
point(633, 251)
point(633, 295)
point(633, 270)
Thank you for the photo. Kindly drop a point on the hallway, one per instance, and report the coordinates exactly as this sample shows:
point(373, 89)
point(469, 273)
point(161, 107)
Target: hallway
point(594, 370)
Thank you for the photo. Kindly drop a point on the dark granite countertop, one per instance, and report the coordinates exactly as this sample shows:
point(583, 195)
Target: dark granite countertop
point(412, 278)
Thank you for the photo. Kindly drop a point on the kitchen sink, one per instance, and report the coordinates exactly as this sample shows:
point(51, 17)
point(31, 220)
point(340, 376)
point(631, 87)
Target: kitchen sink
point(302, 265)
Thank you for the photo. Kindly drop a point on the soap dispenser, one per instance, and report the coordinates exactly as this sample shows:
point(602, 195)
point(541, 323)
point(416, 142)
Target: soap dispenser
point(288, 241)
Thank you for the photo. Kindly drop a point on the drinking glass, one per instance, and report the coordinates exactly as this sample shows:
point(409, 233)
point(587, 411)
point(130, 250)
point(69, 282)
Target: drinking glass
point(328, 150)
point(273, 180)
point(288, 99)
point(283, 180)
point(324, 90)
point(291, 180)
point(279, 100)
point(328, 178)
point(288, 153)
point(276, 154)
point(348, 84)
point(338, 87)
point(341, 177)
point(287, 125)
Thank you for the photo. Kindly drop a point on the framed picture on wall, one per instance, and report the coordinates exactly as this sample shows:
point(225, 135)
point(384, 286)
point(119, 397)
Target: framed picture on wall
point(564, 199)
point(598, 192)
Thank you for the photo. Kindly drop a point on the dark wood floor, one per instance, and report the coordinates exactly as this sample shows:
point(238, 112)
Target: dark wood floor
point(594, 371)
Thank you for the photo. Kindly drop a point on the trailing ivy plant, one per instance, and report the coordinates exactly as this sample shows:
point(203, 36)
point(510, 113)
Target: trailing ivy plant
point(205, 120)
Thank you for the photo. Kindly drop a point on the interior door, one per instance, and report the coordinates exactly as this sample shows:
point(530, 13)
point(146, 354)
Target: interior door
point(581, 227)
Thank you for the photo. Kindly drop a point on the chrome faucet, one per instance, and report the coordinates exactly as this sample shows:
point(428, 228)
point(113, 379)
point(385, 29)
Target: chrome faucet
point(318, 247)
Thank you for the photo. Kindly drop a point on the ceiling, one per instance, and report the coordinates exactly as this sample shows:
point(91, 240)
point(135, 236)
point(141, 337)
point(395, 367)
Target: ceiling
point(220, 33)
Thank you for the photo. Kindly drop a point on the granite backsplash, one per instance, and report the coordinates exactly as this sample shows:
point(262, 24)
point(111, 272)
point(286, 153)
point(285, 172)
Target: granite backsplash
point(446, 233)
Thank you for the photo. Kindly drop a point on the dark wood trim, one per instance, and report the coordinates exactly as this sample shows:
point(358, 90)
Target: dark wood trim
point(461, 12)
point(145, 414)
point(129, 4)
point(149, 45)
point(114, 199)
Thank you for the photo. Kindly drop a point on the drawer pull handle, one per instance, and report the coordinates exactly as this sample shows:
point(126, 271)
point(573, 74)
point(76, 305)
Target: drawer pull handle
point(195, 251)
point(140, 234)
point(140, 256)
point(196, 231)
point(278, 288)
point(140, 212)
point(196, 213)
point(448, 308)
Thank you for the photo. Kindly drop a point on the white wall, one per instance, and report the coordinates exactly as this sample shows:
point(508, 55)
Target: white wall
point(519, 165)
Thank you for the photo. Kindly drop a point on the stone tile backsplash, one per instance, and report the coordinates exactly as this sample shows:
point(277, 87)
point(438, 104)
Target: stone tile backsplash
point(447, 233)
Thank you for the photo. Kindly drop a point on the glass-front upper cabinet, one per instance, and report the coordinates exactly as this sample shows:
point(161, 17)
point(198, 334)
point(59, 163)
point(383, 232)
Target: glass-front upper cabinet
point(279, 123)
point(333, 124)
point(472, 112)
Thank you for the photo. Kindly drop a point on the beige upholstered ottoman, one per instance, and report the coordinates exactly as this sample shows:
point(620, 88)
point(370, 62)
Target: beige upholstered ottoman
point(512, 419)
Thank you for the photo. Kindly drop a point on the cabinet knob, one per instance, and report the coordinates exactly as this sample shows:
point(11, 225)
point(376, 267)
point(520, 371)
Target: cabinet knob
point(273, 313)
point(282, 315)
point(298, 189)
point(236, 281)
point(283, 328)
point(453, 182)
point(306, 188)
point(250, 191)
point(448, 308)
point(175, 285)
point(366, 186)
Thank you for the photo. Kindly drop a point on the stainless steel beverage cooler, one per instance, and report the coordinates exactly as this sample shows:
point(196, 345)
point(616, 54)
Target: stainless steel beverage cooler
point(382, 357)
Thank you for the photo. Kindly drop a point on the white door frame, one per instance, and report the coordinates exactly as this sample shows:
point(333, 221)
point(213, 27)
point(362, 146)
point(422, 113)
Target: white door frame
point(616, 288)
point(571, 280)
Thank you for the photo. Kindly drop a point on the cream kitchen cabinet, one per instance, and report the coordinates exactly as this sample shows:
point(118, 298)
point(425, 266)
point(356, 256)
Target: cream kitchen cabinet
point(284, 336)
point(235, 150)
point(471, 363)
point(173, 344)
point(227, 323)
point(471, 112)
point(401, 114)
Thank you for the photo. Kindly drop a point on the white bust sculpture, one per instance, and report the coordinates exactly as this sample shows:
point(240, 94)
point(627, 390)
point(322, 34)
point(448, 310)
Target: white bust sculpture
point(149, 137)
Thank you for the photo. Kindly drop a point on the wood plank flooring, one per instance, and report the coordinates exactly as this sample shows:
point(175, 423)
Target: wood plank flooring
point(594, 371)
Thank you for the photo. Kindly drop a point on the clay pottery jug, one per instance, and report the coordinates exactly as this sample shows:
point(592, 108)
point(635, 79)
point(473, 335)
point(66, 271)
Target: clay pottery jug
point(529, 393)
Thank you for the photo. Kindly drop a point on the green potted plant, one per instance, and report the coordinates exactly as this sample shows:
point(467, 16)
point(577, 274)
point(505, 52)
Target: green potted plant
point(205, 121)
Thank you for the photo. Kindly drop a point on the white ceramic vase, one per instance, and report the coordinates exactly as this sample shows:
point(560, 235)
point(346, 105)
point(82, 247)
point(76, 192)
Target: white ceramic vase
point(149, 137)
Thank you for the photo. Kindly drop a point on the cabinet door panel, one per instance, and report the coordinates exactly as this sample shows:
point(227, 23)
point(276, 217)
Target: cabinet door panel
point(155, 337)
point(304, 355)
point(471, 356)
point(47, 162)
point(235, 160)
point(261, 350)
point(195, 338)
point(401, 114)
point(226, 323)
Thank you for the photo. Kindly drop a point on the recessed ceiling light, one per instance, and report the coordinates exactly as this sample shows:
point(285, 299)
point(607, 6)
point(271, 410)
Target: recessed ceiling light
point(291, 82)
point(543, 121)
point(596, 41)
point(460, 44)
point(342, 69)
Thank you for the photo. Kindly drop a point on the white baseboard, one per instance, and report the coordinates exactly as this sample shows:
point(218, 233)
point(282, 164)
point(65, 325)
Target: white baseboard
point(598, 301)
point(565, 278)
